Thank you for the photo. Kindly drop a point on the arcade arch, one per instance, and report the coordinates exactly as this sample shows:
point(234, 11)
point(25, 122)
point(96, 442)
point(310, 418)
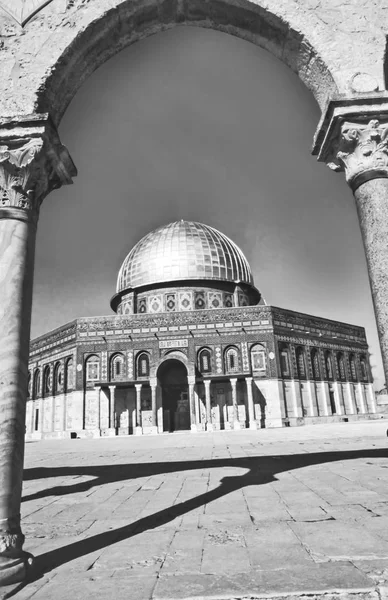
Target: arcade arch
point(344, 71)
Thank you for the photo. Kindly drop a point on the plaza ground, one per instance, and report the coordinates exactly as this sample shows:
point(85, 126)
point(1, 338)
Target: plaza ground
point(209, 515)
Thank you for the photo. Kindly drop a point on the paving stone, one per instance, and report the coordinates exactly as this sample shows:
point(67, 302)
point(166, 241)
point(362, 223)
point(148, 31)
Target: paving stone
point(333, 540)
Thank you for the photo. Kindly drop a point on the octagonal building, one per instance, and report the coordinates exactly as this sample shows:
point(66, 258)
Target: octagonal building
point(193, 347)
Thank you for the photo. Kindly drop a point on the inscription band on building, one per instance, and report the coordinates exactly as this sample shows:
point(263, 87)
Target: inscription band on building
point(174, 343)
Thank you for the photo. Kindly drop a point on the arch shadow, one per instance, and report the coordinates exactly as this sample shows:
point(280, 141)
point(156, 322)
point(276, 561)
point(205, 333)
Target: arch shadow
point(260, 471)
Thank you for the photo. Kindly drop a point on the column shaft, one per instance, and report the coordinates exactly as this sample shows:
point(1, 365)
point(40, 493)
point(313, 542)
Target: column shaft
point(17, 247)
point(98, 407)
point(138, 387)
point(154, 407)
point(208, 401)
point(251, 406)
point(233, 382)
point(112, 407)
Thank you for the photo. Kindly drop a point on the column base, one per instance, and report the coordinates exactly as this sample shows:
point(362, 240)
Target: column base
point(236, 425)
point(138, 431)
point(193, 428)
point(228, 425)
point(14, 571)
point(209, 427)
point(151, 430)
point(253, 425)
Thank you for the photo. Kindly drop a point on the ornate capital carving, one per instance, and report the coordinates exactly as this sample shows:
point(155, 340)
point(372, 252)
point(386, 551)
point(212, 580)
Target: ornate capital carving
point(362, 152)
point(33, 162)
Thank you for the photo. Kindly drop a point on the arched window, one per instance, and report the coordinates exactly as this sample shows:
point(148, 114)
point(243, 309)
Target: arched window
point(69, 375)
point(117, 367)
point(93, 368)
point(58, 378)
point(258, 358)
point(328, 365)
point(204, 361)
point(315, 363)
point(47, 381)
point(353, 369)
point(285, 361)
point(36, 384)
point(341, 366)
point(143, 365)
point(29, 385)
point(300, 363)
point(231, 360)
point(364, 368)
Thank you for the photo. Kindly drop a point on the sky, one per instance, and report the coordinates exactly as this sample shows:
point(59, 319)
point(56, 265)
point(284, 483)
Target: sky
point(198, 125)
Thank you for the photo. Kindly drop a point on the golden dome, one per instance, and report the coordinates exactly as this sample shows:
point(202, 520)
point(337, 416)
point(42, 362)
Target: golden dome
point(183, 250)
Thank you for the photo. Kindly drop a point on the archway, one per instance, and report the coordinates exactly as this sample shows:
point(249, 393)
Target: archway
point(172, 378)
point(46, 63)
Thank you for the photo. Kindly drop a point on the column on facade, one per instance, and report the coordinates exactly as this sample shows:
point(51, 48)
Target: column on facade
point(236, 422)
point(98, 390)
point(153, 384)
point(251, 406)
point(138, 387)
point(32, 163)
point(362, 398)
point(354, 139)
point(372, 399)
point(112, 407)
point(349, 391)
point(209, 423)
point(193, 420)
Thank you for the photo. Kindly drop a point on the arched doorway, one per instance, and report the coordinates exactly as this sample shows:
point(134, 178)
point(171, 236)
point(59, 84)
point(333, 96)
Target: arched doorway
point(172, 376)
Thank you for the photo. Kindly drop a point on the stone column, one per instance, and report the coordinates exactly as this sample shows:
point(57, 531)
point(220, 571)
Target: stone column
point(138, 429)
point(236, 422)
point(193, 419)
point(98, 389)
point(32, 163)
point(349, 390)
point(209, 424)
point(153, 384)
point(372, 399)
point(112, 407)
point(251, 406)
point(359, 147)
point(362, 398)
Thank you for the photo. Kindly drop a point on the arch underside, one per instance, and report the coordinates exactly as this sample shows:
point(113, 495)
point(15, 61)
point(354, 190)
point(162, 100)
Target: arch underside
point(129, 22)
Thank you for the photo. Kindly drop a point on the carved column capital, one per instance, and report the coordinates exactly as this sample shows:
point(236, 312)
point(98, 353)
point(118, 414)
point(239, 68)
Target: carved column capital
point(353, 137)
point(362, 152)
point(33, 162)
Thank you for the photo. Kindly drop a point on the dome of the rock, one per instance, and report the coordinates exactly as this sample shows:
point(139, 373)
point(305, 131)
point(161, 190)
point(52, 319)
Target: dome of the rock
point(183, 250)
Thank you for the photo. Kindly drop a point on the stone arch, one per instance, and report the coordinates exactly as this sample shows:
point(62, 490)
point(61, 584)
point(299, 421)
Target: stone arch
point(86, 36)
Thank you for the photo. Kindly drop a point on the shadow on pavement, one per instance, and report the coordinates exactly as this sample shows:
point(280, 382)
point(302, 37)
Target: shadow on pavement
point(260, 470)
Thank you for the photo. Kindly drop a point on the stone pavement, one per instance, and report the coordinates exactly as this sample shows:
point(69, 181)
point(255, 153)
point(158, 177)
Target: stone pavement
point(209, 515)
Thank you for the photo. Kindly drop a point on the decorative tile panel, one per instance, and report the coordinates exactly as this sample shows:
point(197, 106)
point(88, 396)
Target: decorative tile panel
point(214, 299)
point(185, 301)
point(155, 304)
point(104, 366)
point(245, 356)
point(200, 300)
point(130, 364)
point(218, 354)
point(170, 302)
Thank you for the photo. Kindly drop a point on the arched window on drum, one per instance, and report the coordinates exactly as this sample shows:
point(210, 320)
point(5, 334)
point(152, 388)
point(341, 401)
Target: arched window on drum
point(329, 365)
point(315, 363)
point(117, 370)
point(341, 366)
point(93, 368)
point(58, 378)
point(364, 368)
point(47, 381)
point(143, 365)
point(69, 375)
point(204, 361)
point(353, 368)
point(258, 358)
point(284, 355)
point(36, 384)
point(231, 360)
point(301, 363)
